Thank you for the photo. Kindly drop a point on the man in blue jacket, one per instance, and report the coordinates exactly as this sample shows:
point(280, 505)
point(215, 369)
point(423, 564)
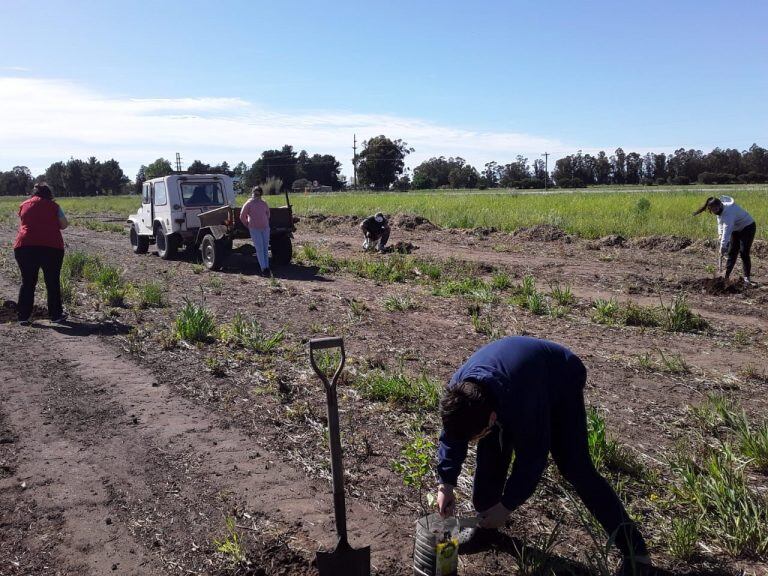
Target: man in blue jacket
point(524, 396)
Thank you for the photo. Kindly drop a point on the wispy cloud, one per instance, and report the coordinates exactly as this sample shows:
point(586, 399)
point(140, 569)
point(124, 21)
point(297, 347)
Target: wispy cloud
point(46, 120)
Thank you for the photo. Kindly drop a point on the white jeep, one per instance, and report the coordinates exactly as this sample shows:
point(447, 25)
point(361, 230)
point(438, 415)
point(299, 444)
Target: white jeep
point(170, 217)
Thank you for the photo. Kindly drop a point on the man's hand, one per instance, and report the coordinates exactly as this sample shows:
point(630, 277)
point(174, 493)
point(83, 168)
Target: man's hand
point(446, 500)
point(494, 517)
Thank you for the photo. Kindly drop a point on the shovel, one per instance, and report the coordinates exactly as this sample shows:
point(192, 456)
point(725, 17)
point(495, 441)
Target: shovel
point(344, 560)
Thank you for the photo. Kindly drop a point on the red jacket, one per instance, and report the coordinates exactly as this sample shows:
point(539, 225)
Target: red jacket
point(39, 224)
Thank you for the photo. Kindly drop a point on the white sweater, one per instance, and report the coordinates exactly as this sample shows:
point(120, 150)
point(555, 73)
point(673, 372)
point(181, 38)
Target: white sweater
point(732, 219)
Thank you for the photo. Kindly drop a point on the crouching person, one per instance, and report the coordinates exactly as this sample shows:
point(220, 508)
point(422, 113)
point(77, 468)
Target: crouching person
point(375, 228)
point(524, 396)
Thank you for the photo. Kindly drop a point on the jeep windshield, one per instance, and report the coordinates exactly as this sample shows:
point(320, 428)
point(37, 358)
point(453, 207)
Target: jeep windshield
point(202, 194)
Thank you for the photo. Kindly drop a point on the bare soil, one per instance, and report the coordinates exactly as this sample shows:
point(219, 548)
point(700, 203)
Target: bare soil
point(123, 451)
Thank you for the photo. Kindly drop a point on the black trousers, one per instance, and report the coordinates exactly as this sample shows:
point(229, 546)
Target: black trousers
point(30, 260)
point(570, 452)
point(741, 244)
point(382, 236)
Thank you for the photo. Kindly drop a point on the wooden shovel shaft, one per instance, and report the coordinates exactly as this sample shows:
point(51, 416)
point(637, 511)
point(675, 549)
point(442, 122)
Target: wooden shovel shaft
point(337, 468)
point(334, 434)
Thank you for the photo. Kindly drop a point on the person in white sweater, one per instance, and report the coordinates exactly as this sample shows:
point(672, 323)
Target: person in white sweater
point(736, 229)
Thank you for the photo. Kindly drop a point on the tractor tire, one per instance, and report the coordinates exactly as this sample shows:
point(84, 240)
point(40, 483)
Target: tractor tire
point(282, 250)
point(214, 252)
point(167, 245)
point(139, 243)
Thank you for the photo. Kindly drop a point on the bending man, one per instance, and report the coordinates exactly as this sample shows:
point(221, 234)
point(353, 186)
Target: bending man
point(524, 396)
point(375, 228)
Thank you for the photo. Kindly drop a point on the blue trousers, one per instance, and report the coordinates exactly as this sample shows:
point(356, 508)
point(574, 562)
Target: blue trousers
point(570, 451)
point(260, 238)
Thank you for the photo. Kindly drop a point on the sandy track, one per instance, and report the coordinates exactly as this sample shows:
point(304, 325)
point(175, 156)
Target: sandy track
point(99, 441)
point(93, 439)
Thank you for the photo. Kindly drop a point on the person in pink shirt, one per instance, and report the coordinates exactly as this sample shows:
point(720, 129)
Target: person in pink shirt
point(255, 216)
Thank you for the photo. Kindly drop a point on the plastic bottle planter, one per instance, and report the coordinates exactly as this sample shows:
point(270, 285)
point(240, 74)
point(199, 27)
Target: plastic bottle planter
point(436, 549)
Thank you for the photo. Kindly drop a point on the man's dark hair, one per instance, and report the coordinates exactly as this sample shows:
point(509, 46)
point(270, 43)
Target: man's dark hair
point(465, 409)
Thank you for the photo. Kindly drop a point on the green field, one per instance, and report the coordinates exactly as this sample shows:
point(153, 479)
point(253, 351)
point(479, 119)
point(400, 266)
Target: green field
point(595, 212)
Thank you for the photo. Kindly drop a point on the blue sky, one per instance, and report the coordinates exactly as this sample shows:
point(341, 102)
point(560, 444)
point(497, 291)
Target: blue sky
point(137, 80)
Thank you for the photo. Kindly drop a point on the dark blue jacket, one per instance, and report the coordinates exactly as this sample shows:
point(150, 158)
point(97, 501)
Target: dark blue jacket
point(526, 377)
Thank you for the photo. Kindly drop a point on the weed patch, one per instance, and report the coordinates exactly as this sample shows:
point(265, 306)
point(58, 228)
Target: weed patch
point(398, 388)
point(250, 335)
point(195, 323)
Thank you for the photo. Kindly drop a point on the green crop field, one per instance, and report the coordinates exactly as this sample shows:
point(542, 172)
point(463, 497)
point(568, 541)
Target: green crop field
point(595, 212)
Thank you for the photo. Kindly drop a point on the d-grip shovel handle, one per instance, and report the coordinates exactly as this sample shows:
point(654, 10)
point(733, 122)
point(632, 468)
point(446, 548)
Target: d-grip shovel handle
point(325, 344)
point(334, 435)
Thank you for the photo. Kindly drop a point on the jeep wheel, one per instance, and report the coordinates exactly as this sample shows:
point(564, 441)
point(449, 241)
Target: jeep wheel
point(139, 243)
point(214, 252)
point(166, 244)
point(282, 250)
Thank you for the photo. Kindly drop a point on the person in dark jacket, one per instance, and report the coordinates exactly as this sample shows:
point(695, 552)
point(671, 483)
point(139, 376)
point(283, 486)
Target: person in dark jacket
point(39, 245)
point(523, 396)
point(375, 228)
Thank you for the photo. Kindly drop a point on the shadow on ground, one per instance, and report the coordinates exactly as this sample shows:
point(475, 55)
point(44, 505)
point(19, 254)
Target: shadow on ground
point(537, 561)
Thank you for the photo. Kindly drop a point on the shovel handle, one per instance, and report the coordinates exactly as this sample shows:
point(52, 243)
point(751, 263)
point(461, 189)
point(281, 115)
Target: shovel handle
point(334, 434)
point(325, 344)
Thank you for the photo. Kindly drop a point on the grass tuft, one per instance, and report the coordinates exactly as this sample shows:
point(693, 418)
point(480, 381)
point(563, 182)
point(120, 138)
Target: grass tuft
point(398, 388)
point(195, 323)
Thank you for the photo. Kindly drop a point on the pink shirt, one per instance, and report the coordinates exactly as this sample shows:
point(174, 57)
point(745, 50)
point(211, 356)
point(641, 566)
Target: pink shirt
point(255, 214)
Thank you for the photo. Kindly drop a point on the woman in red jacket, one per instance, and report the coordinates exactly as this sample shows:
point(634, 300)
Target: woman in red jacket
point(39, 245)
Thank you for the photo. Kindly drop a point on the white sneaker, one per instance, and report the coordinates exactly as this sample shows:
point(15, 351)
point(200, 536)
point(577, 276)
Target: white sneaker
point(748, 282)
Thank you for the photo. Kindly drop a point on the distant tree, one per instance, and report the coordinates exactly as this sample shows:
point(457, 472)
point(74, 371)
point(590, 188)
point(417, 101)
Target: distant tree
point(321, 168)
point(634, 166)
point(198, 167)
point(602, 169)
point(278, 163)
point(141, 177)
point(91, 170)
point(660, 167)
point(160, 167)
point(619, 167)
point(16, 182)
point(442, 172)
point(112, 179)
point(515, 172)
point(491, 175)
point(54, 176)
point(463, 175)
point(381, 161)
point(74, 184)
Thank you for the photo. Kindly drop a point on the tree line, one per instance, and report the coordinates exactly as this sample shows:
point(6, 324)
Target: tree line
point(381, 165)
point(72, 178)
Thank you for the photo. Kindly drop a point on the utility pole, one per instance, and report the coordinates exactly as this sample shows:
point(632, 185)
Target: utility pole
point(354, 159)
point(178, 162)
point(546, 169)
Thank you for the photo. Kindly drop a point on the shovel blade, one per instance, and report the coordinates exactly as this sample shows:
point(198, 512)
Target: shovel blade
point(344, 561)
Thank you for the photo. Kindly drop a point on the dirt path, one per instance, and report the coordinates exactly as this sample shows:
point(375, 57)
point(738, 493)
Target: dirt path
point(133, 460)
point(114, 472)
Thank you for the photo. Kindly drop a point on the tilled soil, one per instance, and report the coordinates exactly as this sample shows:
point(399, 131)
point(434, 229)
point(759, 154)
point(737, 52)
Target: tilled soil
point(123, 451)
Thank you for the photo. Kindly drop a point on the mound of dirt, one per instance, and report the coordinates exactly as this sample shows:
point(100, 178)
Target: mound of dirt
point(760, 248)
point(612, 240)
point(413, 222)
point(542, 233)
point(332, 220)
point(714, 286)
point(404, 247)
point(665, 243)
point(482, 232)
